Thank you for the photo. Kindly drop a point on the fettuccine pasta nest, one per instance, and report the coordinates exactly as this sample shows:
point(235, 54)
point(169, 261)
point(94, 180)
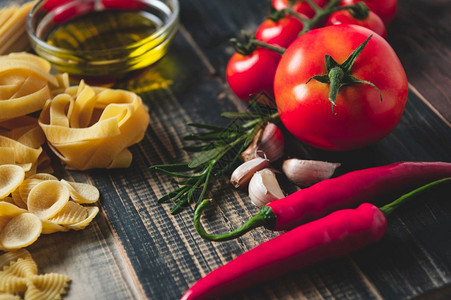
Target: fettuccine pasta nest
point(91, 127)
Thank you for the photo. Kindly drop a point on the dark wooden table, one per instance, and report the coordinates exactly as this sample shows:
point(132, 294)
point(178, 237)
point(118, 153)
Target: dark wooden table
point(135, 249)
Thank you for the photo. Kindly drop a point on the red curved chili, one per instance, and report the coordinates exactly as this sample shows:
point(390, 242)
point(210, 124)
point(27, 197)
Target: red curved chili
point(338, 234)
point(346, 191)
point(335, 235)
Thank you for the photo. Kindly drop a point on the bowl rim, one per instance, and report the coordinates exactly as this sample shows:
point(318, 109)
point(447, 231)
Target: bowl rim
point(172, 21)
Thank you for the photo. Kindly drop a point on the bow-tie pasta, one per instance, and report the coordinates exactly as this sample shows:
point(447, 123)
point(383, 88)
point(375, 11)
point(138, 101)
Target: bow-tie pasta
point(91, 127)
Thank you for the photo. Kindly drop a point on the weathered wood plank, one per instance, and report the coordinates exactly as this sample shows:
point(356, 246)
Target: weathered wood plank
point(141, 250)
point(420, 34)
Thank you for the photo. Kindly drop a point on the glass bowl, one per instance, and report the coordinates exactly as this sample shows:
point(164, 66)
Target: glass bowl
point(95, 38)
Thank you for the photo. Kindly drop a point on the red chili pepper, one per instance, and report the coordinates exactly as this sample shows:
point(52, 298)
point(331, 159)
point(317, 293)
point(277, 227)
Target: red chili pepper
point(346, 191)
point(338, 234)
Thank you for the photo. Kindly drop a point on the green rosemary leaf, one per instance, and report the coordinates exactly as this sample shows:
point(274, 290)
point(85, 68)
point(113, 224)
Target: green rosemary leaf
point(198, 148)
point(208, 136)
point(240, 115)
point(206, 126)
point(208, 156)
point(169, 195)
point(181, 167)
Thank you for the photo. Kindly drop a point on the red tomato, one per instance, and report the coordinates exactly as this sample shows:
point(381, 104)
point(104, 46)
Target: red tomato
point(253, 73)
point(360, 117)
point(385, 9)
point(301, 7)
point(372, 22)
point(280, 33)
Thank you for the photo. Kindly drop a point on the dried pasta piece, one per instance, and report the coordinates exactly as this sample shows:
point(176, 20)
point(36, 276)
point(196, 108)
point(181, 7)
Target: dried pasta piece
point(72, 213)
point(6, 155)
point(18, 199)
point(8, 199)
point(10, 210)
point(21, 231)
point(91, 127)
point(7, 296)
point(47, 198)
point(12, 28)
point(19, 274)
point(24, 84)
point(47, 287)
point(43, 176)
point(82, 192)
point(9, 257)
point(11, 176)
point(49, 227)
point(92, 213)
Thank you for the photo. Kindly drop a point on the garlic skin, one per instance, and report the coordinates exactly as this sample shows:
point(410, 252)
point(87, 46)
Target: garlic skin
point(308, 172)
point(269, 143)
point(264, 188)
point(243, 173)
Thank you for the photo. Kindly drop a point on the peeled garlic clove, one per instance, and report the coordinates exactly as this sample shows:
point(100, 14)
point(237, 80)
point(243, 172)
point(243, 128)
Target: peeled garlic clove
point(308, 172)
point(243, 174)
point(264, 188)
point(269, 143)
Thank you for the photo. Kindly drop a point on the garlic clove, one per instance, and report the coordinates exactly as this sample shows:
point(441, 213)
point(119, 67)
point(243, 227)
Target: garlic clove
point(264, 188)
point(243, 174)
point(269, 143)
point(308, 172)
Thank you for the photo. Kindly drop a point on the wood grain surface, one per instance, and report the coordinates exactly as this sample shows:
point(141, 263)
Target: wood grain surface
point(135, 249)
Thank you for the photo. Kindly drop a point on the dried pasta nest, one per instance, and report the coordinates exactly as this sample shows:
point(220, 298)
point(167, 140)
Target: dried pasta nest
point(25, 84)
point(90, 127)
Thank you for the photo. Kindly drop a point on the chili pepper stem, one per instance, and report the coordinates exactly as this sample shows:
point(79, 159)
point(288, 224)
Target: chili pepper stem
point(389, 208)
point(265, 218)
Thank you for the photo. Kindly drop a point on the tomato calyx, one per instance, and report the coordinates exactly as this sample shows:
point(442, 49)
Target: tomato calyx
point(249, 44)
point(360, 11)
point(338, 75)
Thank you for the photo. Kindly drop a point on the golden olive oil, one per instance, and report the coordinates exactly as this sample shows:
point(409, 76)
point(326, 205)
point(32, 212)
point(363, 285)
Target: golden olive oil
point(104, 30)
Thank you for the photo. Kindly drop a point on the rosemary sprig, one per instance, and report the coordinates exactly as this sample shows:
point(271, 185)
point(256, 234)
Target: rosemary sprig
point(218, 148)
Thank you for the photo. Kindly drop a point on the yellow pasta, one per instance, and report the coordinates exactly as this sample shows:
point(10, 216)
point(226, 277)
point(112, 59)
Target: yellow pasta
point(92, 212)
point(26, 84)
point(7, 296)
point(49, 227)
point(11, 176)
point(19, 276)
point(90, 127)
point(47, 287)
point(21, 231)
point(72, 213)
point(82, 192)
point(47, 198)
point(13, 36)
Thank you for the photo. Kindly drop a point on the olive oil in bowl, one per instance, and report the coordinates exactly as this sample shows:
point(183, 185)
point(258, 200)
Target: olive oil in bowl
point(100, 41)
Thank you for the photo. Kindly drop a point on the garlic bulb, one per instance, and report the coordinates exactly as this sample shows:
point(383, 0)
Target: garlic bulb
point(264, 188)
point(308, 172)
point(268, 143)
point(243, 174)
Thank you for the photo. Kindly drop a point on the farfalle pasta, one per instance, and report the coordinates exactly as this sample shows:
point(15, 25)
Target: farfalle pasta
point(19, 277)
point(91, 127)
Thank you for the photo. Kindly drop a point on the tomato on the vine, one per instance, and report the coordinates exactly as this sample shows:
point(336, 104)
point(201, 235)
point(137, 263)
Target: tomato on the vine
point(301, 7)
point(371, 88)
point(253, 73)
point(373, 21)
point(280, 33)
point(385, 9)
